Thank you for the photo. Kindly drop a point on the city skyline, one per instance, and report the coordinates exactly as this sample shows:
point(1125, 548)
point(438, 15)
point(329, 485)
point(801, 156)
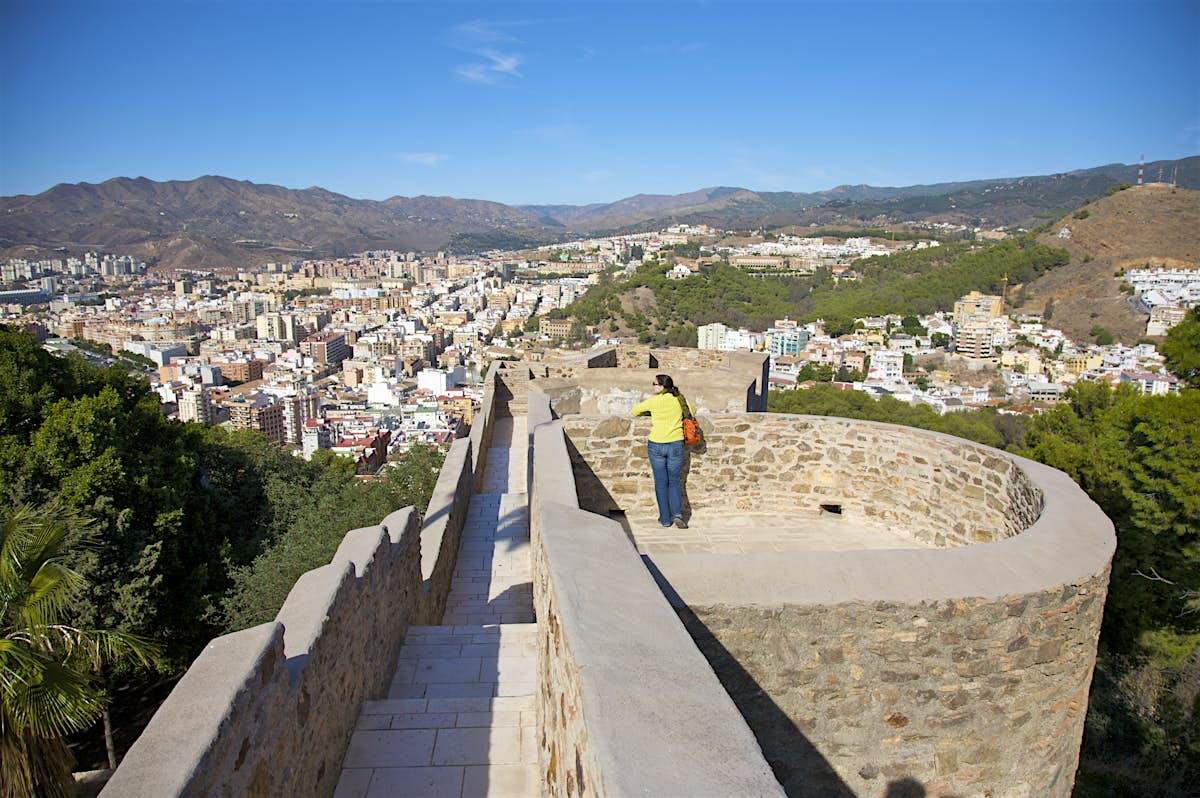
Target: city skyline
point(584, 102)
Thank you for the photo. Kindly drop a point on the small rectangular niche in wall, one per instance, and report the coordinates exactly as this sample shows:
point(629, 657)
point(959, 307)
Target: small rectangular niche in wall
point(835, 509)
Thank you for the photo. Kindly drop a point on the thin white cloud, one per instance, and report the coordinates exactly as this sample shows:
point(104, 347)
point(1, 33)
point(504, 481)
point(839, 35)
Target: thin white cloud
point(674, 48)
point(430, 159)
point(493, 45)
point(478, 32)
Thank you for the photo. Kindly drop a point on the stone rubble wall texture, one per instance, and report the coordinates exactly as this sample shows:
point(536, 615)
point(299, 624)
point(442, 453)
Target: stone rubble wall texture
point(938, 490)
point(567, 760)
point(269, 710)
point(966, 675)
point(971, 698)
point(623, 708)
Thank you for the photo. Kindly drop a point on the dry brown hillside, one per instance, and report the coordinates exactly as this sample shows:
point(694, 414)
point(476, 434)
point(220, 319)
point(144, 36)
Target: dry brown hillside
point(1154, 224)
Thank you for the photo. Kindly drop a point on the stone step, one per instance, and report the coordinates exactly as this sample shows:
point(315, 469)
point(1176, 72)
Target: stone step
point(459, 716)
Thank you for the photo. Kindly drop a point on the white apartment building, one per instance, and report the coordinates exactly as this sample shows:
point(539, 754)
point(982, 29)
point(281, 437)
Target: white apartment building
point(1165, 286)
point(1163, 318)
point(718, 337)
point(709, 336)
point(194, 405)
point(887, 365)
point(1150, 384)
point(317, 435)
point(438, 381)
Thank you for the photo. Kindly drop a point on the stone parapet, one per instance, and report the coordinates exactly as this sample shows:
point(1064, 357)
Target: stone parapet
point(626, 703)
point(269, 710)
point(933, 488)
point(442, 529)
point(481, 431)
point(960, 668)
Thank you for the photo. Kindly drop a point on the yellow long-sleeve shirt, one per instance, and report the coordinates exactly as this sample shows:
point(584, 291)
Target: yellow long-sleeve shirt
point(666, 417)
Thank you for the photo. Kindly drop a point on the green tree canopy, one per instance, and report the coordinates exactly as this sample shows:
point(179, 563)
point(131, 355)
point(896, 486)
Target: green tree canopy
point(1139, 459)
point(48, 667)
point(1181, 349)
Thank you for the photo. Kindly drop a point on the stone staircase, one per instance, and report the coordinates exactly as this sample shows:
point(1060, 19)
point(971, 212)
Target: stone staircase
point(459, 716)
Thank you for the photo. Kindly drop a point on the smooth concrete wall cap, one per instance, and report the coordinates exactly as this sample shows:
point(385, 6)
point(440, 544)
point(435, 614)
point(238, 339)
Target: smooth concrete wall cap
point(538, 411)
point(176, 743)
point(441, 504)
point(1071, 541)
point(307, 608)
point(360, 547)
point(658, 720)
point(556, 482)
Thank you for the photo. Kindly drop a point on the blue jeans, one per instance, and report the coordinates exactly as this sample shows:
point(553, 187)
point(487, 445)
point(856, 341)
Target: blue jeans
point(666, 462)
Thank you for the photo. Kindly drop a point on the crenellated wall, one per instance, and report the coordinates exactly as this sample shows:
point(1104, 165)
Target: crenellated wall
point(613, 381)
point(960, 668)
point(269, 710)
point(443, 528)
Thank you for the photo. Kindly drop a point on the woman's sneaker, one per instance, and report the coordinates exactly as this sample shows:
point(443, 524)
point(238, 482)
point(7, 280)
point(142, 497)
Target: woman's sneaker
point(679, 522)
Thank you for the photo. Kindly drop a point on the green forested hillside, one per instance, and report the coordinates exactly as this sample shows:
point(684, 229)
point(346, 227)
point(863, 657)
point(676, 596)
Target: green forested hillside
point(911, 282)
point(920, 281)
point(720, 293)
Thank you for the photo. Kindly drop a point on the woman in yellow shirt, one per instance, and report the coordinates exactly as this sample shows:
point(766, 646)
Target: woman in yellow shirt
point(665, 448)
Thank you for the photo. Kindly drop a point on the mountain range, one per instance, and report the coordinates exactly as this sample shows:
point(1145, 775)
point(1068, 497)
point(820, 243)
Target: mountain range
point(217, 223)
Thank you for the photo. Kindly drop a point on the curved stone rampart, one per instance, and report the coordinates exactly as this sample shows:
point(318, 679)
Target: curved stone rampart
point(933, 488)
point(963, 668)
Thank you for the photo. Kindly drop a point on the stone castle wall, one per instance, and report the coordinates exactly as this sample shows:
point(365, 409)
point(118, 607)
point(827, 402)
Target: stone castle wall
point(956, 670)
point(969, 697)
point(936, 489)
point(269, 710)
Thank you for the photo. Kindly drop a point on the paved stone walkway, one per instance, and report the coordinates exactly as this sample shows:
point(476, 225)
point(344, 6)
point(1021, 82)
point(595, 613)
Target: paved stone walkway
point(746, 532)
point(459, 716)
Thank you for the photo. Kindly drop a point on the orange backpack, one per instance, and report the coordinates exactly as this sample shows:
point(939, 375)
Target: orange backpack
point(691, 427)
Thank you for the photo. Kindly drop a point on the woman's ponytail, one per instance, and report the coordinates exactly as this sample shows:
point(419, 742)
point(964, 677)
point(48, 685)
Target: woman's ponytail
point(667, 384)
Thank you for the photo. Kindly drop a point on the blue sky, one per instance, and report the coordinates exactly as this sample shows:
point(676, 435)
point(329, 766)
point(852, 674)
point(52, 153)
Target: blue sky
point(577, 102)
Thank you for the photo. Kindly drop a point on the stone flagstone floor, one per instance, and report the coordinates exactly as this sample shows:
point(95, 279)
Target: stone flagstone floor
point(749, 532)
point(458, 719)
